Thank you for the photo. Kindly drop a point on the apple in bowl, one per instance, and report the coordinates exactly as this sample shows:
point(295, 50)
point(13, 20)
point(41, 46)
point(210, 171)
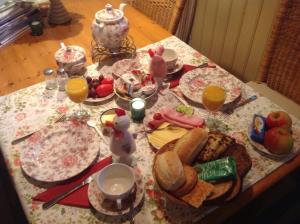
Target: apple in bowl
point(278, 141)
point(279, 119)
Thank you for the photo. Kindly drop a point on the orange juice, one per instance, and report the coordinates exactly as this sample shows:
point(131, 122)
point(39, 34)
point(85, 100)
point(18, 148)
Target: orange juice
point(213, 98)
point(77, 89)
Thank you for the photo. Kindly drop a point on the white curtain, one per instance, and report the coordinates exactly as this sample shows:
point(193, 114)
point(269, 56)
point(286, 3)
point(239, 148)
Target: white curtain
point(186, 21)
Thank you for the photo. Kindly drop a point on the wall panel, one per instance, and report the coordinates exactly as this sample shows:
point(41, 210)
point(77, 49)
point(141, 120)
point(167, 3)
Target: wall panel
point(233, 33)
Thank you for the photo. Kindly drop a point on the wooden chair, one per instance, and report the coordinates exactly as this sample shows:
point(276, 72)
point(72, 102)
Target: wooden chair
point(165, 12)
point(280, 68)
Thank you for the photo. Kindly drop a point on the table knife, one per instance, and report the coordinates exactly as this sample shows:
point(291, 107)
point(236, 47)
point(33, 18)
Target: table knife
point(20, 139)
point(52, 202)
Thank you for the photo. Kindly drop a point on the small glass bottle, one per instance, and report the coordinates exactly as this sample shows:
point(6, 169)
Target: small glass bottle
point(50, 78)
point(62, 78)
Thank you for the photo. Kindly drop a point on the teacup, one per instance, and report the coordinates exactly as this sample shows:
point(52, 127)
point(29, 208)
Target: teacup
point(116, 181)
point(170, 57)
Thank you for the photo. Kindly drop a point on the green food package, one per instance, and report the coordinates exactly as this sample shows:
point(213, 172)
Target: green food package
point(217, 170)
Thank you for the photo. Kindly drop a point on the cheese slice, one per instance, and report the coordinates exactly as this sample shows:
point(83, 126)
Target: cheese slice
point(165, 134)
point(107, 117)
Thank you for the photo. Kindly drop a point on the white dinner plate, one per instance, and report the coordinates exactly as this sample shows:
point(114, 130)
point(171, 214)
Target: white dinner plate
point(262, 150)
point(92, 71)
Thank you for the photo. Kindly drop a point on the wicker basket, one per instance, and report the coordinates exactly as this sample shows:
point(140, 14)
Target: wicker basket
point(168, 147)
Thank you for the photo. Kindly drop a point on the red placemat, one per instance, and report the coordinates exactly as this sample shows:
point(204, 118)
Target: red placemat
point(80, 197)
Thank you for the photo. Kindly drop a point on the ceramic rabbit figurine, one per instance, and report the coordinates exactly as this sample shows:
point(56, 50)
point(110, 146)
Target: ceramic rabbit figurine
point(158, 67)
point(122, 143)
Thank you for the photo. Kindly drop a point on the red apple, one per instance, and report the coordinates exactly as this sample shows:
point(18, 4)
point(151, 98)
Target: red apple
point(279, 119)
point(278, 141)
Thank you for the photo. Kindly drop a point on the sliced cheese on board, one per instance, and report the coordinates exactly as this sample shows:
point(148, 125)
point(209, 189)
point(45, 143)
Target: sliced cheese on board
point(165, 134)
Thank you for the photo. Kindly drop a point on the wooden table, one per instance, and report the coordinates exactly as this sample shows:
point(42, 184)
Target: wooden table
point(22, 63)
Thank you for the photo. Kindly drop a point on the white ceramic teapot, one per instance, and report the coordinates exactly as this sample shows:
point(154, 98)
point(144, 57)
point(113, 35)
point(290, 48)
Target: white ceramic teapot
point(110, 27)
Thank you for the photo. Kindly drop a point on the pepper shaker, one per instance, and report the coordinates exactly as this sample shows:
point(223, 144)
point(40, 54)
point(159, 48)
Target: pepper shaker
point(62, 78)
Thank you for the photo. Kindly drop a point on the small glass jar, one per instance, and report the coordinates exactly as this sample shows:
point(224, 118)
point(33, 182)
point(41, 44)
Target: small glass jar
point(62, 78)
point(50, 78)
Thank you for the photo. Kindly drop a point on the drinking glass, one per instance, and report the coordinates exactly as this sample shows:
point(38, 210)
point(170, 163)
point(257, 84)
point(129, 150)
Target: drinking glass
point(77, 90)
point(213, 98)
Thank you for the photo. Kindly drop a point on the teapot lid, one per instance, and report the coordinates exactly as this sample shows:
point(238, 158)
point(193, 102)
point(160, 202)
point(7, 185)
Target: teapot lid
point(109, 14)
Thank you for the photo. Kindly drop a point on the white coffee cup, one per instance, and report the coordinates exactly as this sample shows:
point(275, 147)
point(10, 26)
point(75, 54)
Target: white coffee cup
point(116, 182)
point(170, 56)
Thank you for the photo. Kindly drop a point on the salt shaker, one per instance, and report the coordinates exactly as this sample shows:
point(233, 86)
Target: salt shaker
point(62, 78)
point(50, 78)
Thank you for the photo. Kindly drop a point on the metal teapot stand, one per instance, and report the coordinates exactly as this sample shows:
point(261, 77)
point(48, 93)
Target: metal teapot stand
point(106, 56)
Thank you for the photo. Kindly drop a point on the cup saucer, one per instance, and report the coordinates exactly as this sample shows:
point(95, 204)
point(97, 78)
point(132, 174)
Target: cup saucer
point(177, 68)
point(109, 207)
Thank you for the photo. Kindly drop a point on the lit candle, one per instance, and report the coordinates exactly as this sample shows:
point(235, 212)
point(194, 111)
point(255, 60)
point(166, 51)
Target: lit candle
point(137, 109)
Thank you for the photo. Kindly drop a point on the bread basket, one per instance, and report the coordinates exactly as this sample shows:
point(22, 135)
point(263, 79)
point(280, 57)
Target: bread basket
point(167, 147)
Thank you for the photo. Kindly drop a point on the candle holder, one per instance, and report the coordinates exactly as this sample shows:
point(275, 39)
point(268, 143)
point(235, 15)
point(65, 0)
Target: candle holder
point(137, 109)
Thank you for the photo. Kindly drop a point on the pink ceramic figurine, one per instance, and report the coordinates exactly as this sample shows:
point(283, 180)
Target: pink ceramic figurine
point(158, 67)
point(122, 142)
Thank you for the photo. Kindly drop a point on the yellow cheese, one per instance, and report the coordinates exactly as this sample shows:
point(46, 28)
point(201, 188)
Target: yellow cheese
point(165, 134)
point(107, 117)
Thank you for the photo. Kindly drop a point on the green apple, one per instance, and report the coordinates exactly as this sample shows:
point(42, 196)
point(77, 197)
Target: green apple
point(278, 141)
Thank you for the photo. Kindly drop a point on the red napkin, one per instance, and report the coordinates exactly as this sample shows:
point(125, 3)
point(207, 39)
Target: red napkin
point(80, 197)
point(175, 82)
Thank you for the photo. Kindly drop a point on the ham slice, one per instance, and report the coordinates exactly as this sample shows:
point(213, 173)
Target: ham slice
point(154, 124)
point(180, 119)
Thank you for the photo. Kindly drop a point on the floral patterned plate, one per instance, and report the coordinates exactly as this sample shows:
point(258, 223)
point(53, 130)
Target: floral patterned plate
point(59, 151)
point(93, 72)
point(126, 65)
point(108, 207)
point(193, 83)
point(262, 150)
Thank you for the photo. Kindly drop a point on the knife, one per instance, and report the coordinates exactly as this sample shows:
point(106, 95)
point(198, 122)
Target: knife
point(20, 139)
point(52, 202)
point(231, 109)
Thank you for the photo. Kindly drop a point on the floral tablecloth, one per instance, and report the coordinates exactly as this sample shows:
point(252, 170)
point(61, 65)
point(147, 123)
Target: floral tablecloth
point(32, 108)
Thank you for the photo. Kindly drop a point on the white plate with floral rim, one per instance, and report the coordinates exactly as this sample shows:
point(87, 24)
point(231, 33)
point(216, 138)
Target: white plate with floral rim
point(193, 83)
point(109, 207)
point(93, 72)
point(263, 151)
point(59, 151)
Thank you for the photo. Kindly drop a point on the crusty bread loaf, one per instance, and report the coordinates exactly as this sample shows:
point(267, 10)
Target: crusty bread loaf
point(189, 146)
point(198, 194)
point(191, 180)
point(169, 171)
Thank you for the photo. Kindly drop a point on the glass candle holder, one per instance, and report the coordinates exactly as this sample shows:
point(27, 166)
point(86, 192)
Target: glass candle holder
point(137, 109)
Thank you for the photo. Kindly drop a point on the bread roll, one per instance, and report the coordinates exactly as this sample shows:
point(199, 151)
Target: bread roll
point(169, 171)
point(189, 146)
point(191, 181)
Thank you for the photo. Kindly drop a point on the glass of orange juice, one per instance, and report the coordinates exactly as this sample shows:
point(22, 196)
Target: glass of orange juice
point(77, 90)
point(213, 98)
